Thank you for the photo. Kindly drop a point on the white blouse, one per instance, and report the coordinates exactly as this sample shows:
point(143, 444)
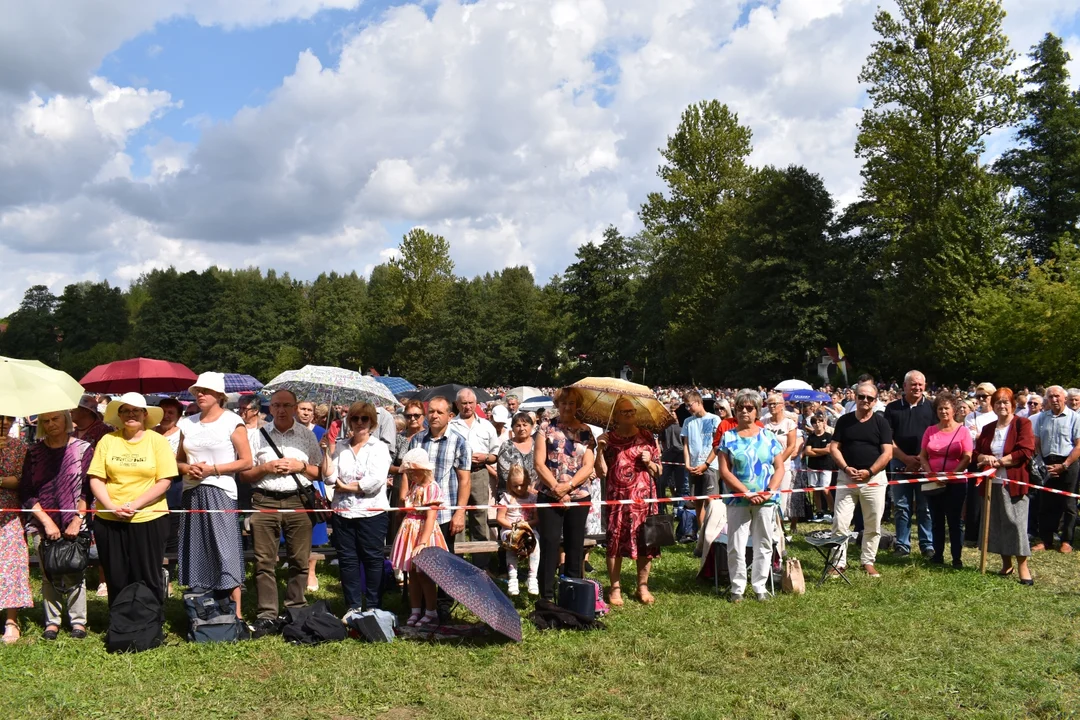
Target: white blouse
point(997, 449)
point(370, 466)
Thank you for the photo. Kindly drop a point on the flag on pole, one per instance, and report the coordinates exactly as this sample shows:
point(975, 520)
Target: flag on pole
point(839, 351)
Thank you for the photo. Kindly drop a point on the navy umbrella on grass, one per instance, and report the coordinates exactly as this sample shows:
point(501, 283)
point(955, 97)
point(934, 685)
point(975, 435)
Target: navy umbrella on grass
point(472, 587)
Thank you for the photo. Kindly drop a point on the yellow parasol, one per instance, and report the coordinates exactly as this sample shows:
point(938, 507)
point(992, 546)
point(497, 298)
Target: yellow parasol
point(601, 394)
point(29, 387)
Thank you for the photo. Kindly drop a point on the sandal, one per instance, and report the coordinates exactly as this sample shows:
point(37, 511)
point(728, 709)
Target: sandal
point(11, 632)
point(644, 596)
point(614, 595)
point(411, 622)
point(428, 619)
point(1006, 572)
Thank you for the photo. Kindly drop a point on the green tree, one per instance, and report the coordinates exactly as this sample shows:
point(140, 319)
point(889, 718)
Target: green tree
point(384, 311)
point(778, 310)
point(1045, 167)
point(707, 175)
point(31, 332)
point(173, 322)
point(334, 320)
point(938, 83)
point(90, 313)
point(601, 294)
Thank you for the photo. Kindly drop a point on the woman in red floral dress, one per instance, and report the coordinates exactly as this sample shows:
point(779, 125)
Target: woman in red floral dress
point(629, 457)
point(14, 557)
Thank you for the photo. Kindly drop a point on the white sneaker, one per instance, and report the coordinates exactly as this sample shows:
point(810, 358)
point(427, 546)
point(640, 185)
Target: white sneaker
point(513, 586)
point(534, 586)
point(102, 590)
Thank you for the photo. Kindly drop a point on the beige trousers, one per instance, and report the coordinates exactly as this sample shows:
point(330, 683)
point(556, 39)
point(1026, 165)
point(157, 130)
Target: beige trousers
point(871, 497)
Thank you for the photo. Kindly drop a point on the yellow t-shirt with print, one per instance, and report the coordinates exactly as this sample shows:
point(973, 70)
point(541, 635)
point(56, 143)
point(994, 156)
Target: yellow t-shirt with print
point(131, 468)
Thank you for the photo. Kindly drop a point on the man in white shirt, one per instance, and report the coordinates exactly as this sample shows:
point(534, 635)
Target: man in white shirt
point(1032, 407)
point(483, 442)
point(277, 479)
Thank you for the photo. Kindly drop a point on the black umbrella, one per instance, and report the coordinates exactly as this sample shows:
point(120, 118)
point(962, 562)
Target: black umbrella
point(450, 391)
point(472, 587)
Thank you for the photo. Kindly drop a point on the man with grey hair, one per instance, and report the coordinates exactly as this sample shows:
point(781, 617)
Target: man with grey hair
point(861, 447)
point(1057, 440)
point(512, 404)
point(483, 442)
point(909, 416)
point(1073, 399)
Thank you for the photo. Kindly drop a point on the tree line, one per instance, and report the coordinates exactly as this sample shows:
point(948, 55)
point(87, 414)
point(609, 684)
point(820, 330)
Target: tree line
point(741, 274)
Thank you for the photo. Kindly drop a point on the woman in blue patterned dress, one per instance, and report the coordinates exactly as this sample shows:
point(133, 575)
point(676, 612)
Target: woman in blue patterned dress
point(751, 462)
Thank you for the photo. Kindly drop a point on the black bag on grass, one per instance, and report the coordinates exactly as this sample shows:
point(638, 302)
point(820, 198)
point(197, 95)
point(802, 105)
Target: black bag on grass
point(135, 620)
point(312, 625)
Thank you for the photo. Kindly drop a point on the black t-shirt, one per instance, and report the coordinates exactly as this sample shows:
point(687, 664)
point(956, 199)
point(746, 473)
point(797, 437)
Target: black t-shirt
point(860, 442)
point(909, 422)
point(819, 442)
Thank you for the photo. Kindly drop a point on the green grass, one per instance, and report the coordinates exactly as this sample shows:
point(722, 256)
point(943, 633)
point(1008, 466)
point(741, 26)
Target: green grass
point(921, 642)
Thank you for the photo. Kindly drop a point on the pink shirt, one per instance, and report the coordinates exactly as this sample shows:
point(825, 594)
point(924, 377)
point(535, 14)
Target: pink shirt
point(944, 449)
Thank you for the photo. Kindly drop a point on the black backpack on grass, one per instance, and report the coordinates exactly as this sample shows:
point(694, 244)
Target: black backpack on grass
point(312, 625)
point(135, 620)
point(212, 617)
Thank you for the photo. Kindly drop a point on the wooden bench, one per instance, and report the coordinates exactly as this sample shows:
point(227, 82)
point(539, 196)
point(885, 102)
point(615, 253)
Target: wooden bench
point(489, 546)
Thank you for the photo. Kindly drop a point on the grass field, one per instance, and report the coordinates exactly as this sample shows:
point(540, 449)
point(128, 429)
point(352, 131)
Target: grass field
point(921, 642)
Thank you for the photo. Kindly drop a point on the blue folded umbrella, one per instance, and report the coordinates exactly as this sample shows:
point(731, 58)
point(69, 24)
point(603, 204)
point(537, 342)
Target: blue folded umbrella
point(806, 396)
point(398, 386)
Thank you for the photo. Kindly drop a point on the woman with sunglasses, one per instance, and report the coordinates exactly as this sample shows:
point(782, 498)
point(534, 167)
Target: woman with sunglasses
point(357, 469)
point(751, 464)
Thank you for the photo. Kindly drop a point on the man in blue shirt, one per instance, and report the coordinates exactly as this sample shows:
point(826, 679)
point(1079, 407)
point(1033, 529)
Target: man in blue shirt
point(697, 434)
point(1057, 440)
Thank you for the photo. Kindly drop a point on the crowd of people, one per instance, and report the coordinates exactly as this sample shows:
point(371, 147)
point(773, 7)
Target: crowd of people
point(396, 477)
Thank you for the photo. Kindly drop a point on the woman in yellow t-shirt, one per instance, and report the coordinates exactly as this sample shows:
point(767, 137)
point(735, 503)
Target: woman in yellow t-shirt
point(131, 470)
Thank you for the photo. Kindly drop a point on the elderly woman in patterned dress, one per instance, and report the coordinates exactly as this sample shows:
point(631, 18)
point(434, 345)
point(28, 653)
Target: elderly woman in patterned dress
point(14, 558)
point(629, 459)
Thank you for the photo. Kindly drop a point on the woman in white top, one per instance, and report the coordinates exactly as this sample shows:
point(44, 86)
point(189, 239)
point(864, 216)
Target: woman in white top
point(214, 447)
point(784, 428)
point(358, 469)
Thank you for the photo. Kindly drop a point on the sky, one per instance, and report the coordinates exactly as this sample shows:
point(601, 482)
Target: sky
point(310, 135)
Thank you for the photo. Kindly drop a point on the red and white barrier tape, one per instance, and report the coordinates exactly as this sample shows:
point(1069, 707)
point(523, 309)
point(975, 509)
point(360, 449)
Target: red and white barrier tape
point(916, 479)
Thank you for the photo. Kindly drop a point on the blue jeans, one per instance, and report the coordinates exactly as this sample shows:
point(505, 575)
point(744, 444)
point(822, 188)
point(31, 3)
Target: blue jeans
point(676, 478)
point(902, 496)
point(359, 543)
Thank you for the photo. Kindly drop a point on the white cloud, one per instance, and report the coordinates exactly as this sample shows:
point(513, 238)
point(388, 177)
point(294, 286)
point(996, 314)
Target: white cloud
point(518, 129)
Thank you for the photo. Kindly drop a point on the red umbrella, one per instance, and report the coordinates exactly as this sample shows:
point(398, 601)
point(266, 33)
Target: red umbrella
point(141, 375)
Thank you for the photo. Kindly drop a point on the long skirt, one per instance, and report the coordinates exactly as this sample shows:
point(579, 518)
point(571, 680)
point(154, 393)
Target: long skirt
point(1008, 523)
point(210, 554)
point(799, 505)
point(14, 557)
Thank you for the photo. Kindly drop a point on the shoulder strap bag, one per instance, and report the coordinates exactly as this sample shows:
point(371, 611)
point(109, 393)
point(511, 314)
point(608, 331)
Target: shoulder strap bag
point(309, 494)
point(936, 488)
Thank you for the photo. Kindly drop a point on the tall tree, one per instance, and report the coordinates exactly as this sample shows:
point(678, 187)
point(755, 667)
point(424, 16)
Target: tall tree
point(31, 332)
point(172, 323)
point(939, 83)
point(601, 295)
point(778, 310)
point(427, 278)
point(88, 313)
point(1045, 167)
point(334, 320)
point(706, 173)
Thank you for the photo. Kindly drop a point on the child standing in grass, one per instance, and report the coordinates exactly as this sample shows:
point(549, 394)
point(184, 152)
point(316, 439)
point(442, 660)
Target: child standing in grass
point(513, 515)
point(418, 530)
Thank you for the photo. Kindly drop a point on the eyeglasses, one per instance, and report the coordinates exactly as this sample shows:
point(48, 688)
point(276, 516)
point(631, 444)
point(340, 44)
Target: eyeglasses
point(1034, 402)
point(866, 398)
point(413, 416)
point(981, 397)
point(359, 419)
point(746, 408)
point(129, 411)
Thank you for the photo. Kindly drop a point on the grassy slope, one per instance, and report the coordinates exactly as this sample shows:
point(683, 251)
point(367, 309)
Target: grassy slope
point(920, 642)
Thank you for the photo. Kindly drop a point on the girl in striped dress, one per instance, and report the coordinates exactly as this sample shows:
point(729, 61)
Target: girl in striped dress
point(418, 530)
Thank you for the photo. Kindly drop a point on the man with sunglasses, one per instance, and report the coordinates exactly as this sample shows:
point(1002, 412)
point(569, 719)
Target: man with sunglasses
point(909, 416)
point(861, 447)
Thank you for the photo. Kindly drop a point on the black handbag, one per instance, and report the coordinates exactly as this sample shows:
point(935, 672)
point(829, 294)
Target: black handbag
point(65, 557)
point(310, 496)
point(658, 531)
point(1040, 475)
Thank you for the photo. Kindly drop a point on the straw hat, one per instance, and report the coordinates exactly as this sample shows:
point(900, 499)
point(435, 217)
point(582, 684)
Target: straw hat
point(134, 399)
point(417, 459)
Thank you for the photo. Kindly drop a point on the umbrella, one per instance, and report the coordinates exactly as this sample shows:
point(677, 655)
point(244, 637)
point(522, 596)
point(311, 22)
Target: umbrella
point(806, 396)
point(524, 391)
point(601, 394)
point(472, 587)
point(331, 385)
point(398, 386)
point(789, 385)
point(30, 387)
point(450, 392)
point(234, 383)
point(535, 403)
point(141, 375)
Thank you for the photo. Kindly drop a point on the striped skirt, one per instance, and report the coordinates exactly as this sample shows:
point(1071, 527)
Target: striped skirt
point(210, 553)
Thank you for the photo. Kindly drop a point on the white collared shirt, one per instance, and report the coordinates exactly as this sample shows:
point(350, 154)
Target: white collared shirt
point(297, 442)
point(368, 465)
point(480, 436)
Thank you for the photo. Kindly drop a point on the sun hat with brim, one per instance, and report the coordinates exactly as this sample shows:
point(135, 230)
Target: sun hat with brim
point(89, 402)
point(986, 387)
point(134, 399)
point(212, 381)
point(417, 459)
